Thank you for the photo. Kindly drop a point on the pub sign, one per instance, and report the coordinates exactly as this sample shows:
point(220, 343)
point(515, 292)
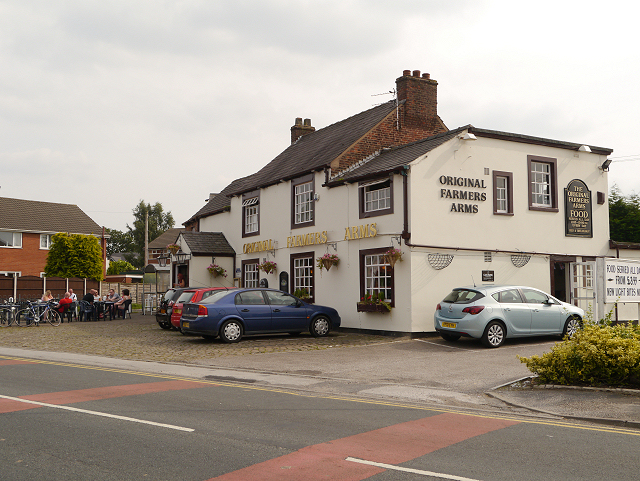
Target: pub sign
point(577, 209)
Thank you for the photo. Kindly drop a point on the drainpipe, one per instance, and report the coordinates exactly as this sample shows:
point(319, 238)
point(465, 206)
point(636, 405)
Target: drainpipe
point(406, 235)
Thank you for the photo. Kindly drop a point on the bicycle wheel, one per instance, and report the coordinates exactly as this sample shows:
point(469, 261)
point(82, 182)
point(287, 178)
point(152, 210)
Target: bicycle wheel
point(5, 318)
point(53, 317)
point(25, 318)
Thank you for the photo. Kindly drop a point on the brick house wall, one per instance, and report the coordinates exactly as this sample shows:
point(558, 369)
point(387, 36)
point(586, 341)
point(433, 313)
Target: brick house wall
point(28, 260)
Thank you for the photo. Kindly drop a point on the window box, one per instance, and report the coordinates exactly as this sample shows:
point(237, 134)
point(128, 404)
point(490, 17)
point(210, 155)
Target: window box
point(371, 308)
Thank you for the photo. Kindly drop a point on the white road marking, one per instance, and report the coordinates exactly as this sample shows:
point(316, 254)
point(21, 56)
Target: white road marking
point(409, 470)
point(97, 413)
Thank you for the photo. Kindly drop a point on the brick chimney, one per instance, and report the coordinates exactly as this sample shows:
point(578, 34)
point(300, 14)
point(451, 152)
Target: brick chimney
point(300, 129)
point(421, 95)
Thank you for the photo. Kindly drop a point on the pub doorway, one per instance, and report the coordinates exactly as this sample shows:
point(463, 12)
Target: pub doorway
point(561, 277)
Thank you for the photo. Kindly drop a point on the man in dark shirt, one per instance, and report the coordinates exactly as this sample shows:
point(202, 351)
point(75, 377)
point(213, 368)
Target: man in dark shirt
point(89, 298)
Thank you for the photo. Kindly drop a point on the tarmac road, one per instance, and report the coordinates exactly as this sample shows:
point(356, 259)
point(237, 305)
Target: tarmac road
point(427, 371)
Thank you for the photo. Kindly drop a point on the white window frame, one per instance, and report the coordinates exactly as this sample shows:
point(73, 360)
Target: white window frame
point(378, 198)
point(303, 275)
point(47, 238)
point(541, 184)
point(251, 276)
point(16, 240)
point(378, 276)
point(251, 218)
point(303, 202)
point(502, 194)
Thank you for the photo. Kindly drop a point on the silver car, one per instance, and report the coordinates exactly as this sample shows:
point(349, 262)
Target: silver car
point(494, 313)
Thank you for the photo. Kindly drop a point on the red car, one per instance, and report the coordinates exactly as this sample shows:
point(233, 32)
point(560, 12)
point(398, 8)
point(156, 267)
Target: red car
point(190, 295)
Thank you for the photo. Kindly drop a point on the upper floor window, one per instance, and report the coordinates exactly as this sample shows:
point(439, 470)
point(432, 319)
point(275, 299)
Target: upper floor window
point(302, 204)
point(543, 183)
point(376, 198)
point(10, 239)
point(251, 214)
point(502, 193)
point(45, 241)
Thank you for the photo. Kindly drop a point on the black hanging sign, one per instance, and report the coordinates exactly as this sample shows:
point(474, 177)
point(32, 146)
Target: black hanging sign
point(577, 207)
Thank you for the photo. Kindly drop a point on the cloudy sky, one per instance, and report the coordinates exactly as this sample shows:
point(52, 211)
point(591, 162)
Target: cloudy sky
point(104, 104)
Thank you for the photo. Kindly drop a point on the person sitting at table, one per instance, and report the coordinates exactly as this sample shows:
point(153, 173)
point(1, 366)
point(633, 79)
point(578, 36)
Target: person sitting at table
point(73, 296)
point(112, 297)
point(120, 303)
point(46, 297)
point(88, 297)
point(62, 303)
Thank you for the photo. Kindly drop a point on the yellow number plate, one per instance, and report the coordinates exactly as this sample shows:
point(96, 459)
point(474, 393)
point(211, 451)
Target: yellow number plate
point(163, 311)
point(452, 325)
point(185, 324)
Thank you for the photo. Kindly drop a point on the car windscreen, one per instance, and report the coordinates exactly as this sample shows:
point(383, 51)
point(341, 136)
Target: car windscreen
point(463, 296)
point(185, 297)
point(215, 297)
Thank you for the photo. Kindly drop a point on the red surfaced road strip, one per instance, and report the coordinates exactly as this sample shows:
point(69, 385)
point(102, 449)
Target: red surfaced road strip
point(95, 394)
point(391, 445)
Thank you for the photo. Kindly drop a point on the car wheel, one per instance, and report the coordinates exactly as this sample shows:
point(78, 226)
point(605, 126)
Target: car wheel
point(449, 337)
point(165, 325)
point(571, 326)
point(231, 331)
point(494, 334)
point(320, 326)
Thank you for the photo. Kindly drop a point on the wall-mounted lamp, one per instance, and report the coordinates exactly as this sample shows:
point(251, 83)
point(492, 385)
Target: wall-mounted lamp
point(584, 148)
point(182, 257)
point(468, 136)
point(163, 261)
point(605, 165)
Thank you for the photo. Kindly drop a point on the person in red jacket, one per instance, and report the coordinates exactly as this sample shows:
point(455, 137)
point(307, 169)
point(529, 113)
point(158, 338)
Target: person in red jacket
point(63, 302)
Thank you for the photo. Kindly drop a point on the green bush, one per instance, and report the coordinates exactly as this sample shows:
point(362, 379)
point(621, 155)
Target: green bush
point(597, 355)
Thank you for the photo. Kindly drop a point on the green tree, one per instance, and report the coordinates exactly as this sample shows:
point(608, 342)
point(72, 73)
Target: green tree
point(624, 216)
point(116, 267)
point(159, 222)
point(118, 242)
point(74, 255)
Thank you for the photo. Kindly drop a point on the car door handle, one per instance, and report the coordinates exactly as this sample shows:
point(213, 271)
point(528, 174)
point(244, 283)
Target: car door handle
point(244, 310)
point(535, 310)
point(507, 308)
point(276, 310)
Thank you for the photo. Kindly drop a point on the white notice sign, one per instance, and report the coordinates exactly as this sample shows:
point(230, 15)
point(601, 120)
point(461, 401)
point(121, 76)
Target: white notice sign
point(621, 280)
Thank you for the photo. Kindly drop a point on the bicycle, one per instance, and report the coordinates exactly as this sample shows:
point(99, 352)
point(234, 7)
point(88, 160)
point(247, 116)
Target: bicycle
point(8, 313)
point(30, 316)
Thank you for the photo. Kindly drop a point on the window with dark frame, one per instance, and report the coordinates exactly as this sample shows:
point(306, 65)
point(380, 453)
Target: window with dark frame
point(251, 214)
point(543, 183)
point(250, 273)
point(376, 275)
point(303, 273)
point(302, 202)
point(502, 193)
point(375, 197)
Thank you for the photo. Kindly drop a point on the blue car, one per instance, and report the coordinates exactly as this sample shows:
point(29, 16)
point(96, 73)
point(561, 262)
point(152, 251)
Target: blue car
point(233, 313)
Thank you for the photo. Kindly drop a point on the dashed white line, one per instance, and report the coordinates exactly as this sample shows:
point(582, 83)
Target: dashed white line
point(410, 470)
point(97, 413)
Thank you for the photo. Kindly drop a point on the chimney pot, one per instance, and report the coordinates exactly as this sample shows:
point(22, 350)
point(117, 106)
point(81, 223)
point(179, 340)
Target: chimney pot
point(416, 73)
point(307, 122)
point(298, 121)
point(426, 75)
point(406, 73)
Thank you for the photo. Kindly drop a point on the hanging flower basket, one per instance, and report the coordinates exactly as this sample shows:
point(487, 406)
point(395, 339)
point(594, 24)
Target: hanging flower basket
point(327, 261)
point(216, 270)
point(268, 267)
point(392, 256)
point(173, 248)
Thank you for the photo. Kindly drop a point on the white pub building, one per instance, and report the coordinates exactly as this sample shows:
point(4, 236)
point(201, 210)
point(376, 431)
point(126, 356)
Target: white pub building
point(464, 206)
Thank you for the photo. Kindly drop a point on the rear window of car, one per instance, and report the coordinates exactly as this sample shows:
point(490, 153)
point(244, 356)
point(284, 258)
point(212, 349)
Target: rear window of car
point(185, 296)
point(169, 295)
point(214, 297)
point(463, 296)
point(250, 298)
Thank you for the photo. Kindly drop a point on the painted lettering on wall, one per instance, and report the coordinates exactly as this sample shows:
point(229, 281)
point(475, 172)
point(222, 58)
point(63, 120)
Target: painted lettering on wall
point(361, 231)
point(259, 246)
point(461, 194)
point(307, 239)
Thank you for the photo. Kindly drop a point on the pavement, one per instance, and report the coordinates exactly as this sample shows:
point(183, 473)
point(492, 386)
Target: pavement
point(427, 372)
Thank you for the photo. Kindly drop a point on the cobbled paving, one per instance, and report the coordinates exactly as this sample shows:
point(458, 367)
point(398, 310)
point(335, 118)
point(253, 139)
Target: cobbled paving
point(142, 339)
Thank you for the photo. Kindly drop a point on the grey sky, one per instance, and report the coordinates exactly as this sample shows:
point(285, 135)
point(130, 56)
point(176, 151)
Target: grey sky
point(103, 104)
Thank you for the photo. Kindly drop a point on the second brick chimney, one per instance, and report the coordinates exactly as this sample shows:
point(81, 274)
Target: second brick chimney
point(300, 129)
point(421, 96)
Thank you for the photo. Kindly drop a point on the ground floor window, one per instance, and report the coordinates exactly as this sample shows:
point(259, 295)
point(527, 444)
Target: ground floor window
point(376, 275)
point(250, 273)
point(302, 271)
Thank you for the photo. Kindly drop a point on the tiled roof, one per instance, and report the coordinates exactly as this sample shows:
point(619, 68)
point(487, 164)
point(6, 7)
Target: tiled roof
point(316, 150)
point(207, 243)
point(35, 216)
point(395, 157)
point(167, 237)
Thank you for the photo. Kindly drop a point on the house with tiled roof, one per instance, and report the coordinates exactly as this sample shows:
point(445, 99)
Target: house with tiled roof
point(26, 228)
point(458, 207)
